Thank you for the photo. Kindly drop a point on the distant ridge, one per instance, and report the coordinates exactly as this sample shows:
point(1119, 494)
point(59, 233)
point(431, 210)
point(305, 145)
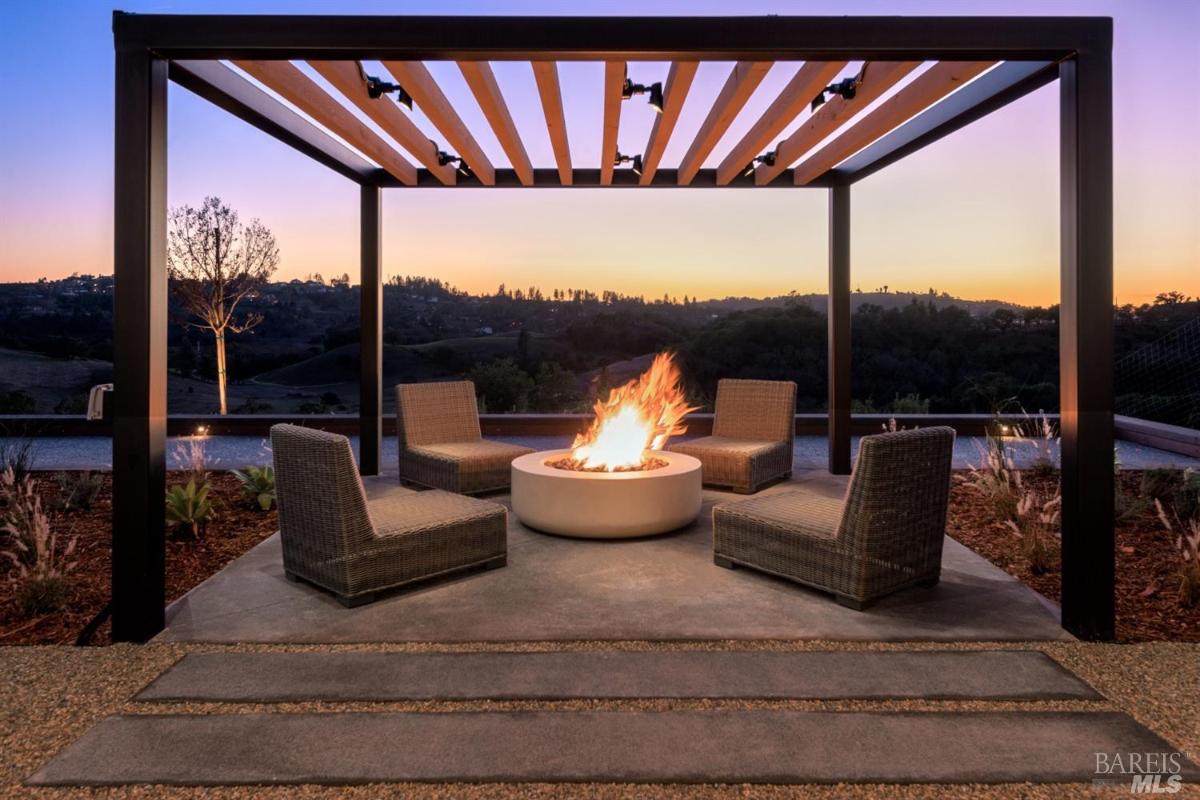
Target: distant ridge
point(884, 300)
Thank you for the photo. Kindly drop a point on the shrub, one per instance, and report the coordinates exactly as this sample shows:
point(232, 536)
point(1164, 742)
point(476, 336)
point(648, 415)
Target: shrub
point(996, 479)
point(77, 490)
point(1036, 525)
point(258, 484)
point(17, 402)
point(41, 578)
point(16, 452)
point(188, 507)
point(191, 454)
point(502, 386)
point(1160, 483)
point(1187, 540)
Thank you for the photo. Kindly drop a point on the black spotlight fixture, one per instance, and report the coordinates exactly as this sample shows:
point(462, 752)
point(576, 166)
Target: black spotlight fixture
point(846, 88)
point(444, 158)
point(767, 158)
point(377, 88)
point(635, 162)
point(654, 90)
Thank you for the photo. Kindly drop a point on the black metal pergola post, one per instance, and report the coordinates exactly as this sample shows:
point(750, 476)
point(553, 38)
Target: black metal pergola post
point(838, 320)
point(370, 382)
point(1033, 52)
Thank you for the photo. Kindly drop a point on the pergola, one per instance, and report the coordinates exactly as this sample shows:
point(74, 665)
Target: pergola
point(980, 64)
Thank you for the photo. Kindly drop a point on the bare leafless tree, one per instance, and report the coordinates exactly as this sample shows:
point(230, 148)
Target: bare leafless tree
point(215, 263)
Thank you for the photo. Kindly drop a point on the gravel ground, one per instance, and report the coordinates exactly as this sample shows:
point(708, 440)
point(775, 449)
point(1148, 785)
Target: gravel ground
point(52, 695)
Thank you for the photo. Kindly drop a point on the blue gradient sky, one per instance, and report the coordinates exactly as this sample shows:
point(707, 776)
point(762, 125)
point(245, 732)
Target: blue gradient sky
point(975, 215)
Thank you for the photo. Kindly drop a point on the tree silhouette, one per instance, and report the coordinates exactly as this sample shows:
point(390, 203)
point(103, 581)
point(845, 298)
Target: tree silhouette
point(215, 263)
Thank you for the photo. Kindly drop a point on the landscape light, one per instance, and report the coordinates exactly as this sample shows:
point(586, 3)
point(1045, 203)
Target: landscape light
point(655, 90)
point(444, 158)
point(633, 161)
point(377, 88)
point(845, 88)
point(767, 158)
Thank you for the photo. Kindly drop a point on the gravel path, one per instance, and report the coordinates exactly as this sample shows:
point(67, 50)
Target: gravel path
point(52, 695)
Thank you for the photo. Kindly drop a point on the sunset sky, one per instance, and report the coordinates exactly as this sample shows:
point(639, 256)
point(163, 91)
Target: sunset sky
point(975, 215)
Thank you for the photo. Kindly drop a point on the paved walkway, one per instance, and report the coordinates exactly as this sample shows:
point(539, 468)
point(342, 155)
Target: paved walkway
point(661, 588)
point(337, 744)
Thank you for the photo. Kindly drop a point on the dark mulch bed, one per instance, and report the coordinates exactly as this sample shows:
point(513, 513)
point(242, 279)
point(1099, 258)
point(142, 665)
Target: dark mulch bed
point(1147, 603)
point(237, 527)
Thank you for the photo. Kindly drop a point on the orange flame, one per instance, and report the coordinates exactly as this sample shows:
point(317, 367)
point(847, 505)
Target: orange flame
point(639, 416)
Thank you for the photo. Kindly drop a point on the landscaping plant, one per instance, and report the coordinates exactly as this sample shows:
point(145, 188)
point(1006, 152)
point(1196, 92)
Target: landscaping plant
point(996, 478)
point(188, 507)
point(77, 490)
point(1184, 521)
point(40, 577)
point(1036, 525)
point(258, 483)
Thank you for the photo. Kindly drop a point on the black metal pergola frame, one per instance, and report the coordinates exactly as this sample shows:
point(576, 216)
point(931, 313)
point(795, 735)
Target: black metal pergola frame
point(152, 49)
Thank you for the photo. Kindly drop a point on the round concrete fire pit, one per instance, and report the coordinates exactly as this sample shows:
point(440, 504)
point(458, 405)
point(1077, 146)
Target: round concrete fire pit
point(605, 505)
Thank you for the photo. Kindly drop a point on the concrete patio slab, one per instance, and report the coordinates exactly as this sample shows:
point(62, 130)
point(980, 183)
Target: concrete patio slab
point(663, 588)
point(611, 746)
point(341, 676)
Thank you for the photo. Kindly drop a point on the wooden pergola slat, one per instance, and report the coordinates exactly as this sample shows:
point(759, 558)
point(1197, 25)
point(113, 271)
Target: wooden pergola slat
point(545, 73)
point(743, 80)
point(482, 81)
point(347, 79)
point(415, 78)
point(289, 82)
point(810, 79)
point(614, 80)
point(675, 92)
point(877, 78)
point(929, 87)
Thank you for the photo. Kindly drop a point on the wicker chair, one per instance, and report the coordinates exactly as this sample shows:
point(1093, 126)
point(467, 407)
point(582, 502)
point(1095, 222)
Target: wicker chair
point(885, 535)
point(441, 445)
point(753, 431)
point(334, 538)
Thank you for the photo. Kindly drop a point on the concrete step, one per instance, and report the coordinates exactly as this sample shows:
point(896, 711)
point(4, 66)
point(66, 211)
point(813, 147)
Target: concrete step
point(744, 746)
point(372, 676)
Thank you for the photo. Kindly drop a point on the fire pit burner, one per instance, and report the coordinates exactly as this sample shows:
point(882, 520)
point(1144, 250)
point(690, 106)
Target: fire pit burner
point(605, 505)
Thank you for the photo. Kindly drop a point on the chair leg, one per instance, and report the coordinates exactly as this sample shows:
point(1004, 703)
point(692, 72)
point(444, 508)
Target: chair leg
point(496, 563)
point(357, 600)
point(723, 562)
point(291, 576)
point(744, 489)
point(852, 603)
point(929, 582)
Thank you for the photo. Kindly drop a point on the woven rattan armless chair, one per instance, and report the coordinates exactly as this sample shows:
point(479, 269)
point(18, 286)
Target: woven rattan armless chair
point(441, 445)
point(753, 431)
point(885, 535)
point(334, 538)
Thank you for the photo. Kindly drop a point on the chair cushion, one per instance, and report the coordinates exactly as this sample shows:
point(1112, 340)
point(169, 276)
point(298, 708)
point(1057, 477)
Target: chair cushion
point(742, 463)
point(802, 512)
point(404, 513)
point(480, 455)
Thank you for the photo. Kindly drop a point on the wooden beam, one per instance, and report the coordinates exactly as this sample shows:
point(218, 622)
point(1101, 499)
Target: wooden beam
point(675, 92)
point(301, 91)
point(420, 85)
point(741, 83)
point(226, 89)
point(546, 75)
point(614, 80)
point(808, 81)
point(930, 86)
point(1009, 81)
point(877, 78)
point(347, 78)
point(482, 80)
